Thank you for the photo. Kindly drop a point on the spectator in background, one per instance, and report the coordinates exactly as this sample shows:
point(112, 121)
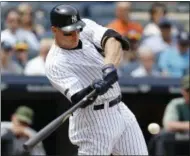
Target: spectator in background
point(8, 66)
point(130, 59)
point(134, 38)
point(157, 11)
point(15, 133)
point(123, 23)
point(177, 113)
point(36, 66)
point(174, 61)
point(14, 33)
point(21, 53)
point(159, 43)
point(176, 121)
point(147, 62)
point(27, 20)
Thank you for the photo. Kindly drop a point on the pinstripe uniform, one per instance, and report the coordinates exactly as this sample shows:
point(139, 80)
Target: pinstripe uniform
point(96, 132)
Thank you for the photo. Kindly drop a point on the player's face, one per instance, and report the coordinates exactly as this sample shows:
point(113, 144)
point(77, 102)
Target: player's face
point(67, 40)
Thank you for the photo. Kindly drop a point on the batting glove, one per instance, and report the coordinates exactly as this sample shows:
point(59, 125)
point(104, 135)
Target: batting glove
point(100, 86)
point(110, 73)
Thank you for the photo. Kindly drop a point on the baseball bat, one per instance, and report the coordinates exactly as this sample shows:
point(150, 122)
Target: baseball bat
point(52, 126)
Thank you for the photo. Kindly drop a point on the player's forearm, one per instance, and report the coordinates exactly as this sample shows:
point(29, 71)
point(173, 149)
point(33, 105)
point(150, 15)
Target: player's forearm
point(178, 126)
point(113, 52)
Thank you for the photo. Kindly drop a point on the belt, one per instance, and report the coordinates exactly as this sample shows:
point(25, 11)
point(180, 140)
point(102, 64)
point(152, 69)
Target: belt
point(111, 103)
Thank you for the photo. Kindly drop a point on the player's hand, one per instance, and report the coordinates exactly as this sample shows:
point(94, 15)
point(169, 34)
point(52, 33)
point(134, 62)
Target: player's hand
point(100, 86)
point(110, 73)
point(18, 130)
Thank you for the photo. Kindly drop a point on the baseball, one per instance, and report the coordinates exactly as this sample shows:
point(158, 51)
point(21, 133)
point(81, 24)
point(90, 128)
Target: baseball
point(154, 128)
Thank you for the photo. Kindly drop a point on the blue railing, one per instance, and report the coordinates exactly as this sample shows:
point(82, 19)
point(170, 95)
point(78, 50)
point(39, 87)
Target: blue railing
point(128, 84)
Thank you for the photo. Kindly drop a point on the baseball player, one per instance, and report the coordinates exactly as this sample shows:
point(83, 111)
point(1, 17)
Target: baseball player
point(84, 57)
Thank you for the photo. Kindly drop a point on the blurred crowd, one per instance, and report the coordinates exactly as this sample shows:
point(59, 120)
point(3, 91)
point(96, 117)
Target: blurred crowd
point(159, 48)
point(17, 131)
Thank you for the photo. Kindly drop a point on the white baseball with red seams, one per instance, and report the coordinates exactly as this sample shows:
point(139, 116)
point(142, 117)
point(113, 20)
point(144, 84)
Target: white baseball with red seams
point(96, 132)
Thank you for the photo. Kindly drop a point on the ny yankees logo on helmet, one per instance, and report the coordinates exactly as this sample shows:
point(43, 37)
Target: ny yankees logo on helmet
point(74, 19)
point(66, 17)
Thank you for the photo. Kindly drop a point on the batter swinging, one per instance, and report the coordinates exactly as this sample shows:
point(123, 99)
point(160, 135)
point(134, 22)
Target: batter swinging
point(84, 57)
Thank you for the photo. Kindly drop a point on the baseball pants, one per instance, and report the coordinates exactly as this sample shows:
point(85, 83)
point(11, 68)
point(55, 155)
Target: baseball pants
point(112, 130)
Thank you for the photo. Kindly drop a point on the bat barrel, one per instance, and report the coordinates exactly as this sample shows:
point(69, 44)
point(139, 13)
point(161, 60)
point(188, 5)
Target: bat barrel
point(43, 133)
point(51, 127)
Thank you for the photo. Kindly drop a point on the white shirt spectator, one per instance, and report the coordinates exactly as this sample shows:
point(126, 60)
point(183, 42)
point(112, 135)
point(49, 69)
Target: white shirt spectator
point(141, 72)
point(35, 66)
point(20, 35)
point(147, 61)
point(151, 29)
point(155, 43)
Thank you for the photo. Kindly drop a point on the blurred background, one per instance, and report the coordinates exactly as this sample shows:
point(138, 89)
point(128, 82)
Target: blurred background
point(154, 73)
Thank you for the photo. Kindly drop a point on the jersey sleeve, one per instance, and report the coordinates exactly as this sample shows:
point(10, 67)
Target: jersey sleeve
point(64, 81)
point(93, 32)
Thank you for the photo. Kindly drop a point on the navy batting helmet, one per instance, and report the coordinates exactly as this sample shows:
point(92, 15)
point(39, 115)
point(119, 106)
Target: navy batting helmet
point(66, 18)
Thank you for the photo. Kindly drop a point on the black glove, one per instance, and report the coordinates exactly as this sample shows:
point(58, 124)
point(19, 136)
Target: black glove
point(100, 86)
point(110, 74)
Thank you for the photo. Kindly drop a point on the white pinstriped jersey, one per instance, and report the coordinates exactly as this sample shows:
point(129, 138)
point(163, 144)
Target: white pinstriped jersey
point(96, 132)
point(72, 70)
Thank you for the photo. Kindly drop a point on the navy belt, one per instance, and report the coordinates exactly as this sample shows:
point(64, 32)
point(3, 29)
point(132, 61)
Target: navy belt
point(111, 103)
